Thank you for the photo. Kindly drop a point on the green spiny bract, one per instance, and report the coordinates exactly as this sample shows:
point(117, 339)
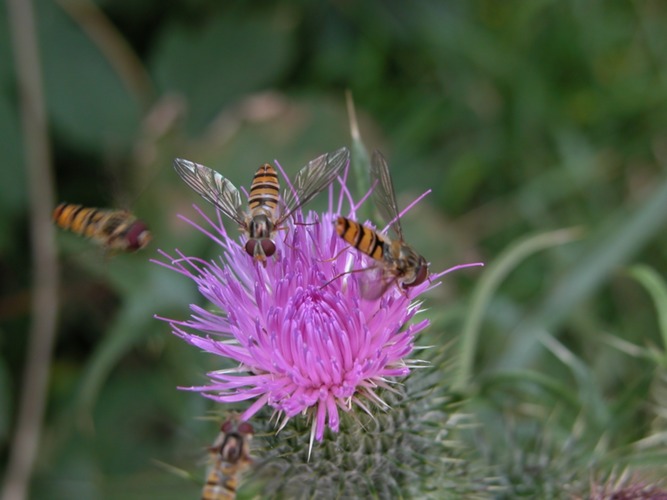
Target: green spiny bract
point(406, 451)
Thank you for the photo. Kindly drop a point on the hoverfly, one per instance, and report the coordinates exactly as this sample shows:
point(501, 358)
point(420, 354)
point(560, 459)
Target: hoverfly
point(263, 217)
point(398, 261)
point(116, 230)
point(229, 456)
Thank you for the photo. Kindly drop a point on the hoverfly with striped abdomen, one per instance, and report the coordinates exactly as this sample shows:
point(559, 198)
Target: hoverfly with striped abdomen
point(263, 216)
point(229, 456)
point(398, 262)
point(115, 230)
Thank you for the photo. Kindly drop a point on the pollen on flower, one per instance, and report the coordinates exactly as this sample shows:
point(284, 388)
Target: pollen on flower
point(303, 337)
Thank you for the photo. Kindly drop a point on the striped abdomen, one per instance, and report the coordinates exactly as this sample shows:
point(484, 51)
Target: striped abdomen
point(362, 238)
point(78, 219)
point(221, 482)
point(265, 189)
point(113, 229)
point(229, 456)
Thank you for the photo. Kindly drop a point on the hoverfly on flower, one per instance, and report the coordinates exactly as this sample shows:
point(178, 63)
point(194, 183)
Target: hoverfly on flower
point(115, 230)
point(267, 210)
point(229, 456)
point(397, 261)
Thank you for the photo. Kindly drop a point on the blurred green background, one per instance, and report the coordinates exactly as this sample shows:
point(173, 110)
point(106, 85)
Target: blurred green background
point(524, 117)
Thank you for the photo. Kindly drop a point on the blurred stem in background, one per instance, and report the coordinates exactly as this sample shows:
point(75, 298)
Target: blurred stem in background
point(44, 304)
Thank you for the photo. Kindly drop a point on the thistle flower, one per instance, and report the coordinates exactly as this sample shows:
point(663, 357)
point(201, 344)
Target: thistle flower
point(304, 338)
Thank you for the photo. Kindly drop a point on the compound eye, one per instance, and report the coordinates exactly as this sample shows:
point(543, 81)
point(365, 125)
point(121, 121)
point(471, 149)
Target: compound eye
point(138, 236)
point(245, 428)
point(227, 426)
point(268, 247)
point(421, 274)
point(250, 247)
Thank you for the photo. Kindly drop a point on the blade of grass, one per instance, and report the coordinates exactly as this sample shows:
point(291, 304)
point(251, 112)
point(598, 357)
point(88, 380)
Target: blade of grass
point(487, 286)
point(657, 288)
point(624, 235)
point(587, 387)
point(360, 159)
point(557, 388)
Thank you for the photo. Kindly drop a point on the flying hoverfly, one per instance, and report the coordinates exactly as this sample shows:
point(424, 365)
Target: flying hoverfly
point(263, 216)
point(229, 456)
point(397, 261)
point(116, 230)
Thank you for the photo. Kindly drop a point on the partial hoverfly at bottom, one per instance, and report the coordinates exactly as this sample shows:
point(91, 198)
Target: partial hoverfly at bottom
point(228, 458)
point(397, 262)
point(266, 209)
point(115, 230)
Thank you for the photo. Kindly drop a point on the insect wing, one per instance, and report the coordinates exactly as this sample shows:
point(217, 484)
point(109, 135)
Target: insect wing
point(374, 282)
point(383, 192)
point(213, 187)
point(314, 178)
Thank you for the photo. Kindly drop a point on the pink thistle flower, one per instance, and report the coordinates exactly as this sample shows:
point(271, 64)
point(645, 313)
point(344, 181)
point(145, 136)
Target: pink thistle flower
point(304, 338)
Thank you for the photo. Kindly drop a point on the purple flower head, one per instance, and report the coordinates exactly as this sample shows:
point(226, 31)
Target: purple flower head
point(304, 338)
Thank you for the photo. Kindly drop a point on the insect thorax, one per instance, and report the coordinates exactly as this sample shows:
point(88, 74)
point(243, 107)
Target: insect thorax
point(261, 226)
point(407, 264)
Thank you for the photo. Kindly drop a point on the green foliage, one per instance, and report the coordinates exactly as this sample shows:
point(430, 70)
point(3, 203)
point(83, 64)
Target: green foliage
point(227, 58)
point(525, 118)
point(88, 101)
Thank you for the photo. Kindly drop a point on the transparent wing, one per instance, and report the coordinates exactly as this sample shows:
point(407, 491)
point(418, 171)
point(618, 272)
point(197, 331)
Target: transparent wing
point(213, 187)
point(374, 282)
point(383, 192)
point(313, 178)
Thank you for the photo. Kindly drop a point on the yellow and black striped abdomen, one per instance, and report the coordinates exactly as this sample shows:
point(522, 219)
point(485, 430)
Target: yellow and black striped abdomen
point(221, 482)
point(360, 237)
point(265, 189)
point(78, 219)
point(228, 457)
point(113, 229)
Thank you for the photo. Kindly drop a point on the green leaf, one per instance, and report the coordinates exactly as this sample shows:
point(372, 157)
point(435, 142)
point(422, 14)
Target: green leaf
point(86, 98)
point(133, 322)
point(217, 63)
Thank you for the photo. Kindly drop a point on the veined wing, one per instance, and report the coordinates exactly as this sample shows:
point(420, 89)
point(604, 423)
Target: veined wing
point(313, 178)
point(383, 192)
point(213, 187)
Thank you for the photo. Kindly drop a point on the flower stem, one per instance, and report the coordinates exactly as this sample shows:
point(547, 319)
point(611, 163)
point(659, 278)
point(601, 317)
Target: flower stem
point(45, 271)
